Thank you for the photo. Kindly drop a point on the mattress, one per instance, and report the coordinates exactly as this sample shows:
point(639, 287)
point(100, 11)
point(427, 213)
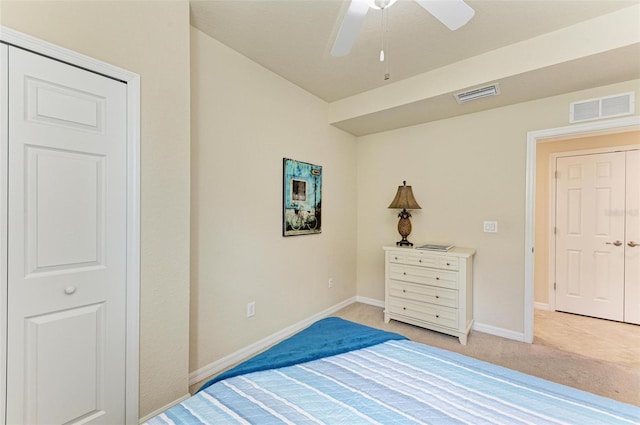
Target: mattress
point(394, 382)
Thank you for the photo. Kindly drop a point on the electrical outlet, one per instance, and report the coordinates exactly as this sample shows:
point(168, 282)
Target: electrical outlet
point(251, 309)
point(330, 282)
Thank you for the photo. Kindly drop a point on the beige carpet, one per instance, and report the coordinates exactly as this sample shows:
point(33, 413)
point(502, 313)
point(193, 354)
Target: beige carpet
point(606, 340)
point(618, 381)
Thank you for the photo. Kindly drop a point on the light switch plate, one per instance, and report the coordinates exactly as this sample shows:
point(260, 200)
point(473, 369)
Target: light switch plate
point(491, 227)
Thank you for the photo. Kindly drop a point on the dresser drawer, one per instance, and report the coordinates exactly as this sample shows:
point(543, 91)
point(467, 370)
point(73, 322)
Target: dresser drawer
point(427, 259)
point(424, 259)
point(442, 316)
point(424, 275)
point(398, 257)
point(425, 293)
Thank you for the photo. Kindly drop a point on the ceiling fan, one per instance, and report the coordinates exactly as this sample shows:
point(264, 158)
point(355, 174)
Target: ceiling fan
point(452, 13)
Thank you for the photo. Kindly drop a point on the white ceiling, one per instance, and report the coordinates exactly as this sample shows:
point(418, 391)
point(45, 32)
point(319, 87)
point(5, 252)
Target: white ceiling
point(293, 38)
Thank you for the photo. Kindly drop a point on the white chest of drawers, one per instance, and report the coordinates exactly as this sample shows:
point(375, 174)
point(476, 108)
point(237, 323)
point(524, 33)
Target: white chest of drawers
point(430, 289)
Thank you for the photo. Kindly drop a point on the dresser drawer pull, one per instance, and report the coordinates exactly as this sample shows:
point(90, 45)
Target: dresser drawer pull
point(404, 308)
point(419, 261)
point(448, 264)
point(437, 278)
point(395, 258)
point(437, 296)
point(404, 273)
point(404, 290)
point(437, 316)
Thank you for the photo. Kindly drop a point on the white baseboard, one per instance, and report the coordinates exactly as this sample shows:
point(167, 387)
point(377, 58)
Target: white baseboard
point(493, 330)
point(370, 301)
point(501, 332)
point(219, 365)
point(163, 408)
point(541, 306)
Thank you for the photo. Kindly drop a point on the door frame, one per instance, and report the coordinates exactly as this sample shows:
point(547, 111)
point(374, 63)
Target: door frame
point(552, 207)
point(27, 42)
point(542, 136)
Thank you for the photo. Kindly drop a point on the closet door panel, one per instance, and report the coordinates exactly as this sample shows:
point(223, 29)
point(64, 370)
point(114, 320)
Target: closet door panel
point(589, 248)
point(66, 328)
point(632, 240)
point(51, 211)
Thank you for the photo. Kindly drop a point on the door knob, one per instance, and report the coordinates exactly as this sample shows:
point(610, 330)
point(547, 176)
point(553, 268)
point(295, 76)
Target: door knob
point(632, 244)
point(69, 290)
point(616, 243)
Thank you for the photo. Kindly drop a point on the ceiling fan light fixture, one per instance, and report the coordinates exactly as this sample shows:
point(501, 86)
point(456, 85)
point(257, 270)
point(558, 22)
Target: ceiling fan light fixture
point(380, 4)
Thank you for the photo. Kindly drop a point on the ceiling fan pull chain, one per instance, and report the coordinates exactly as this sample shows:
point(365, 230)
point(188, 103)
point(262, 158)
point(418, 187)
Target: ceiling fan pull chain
point(382, 24)
point(384, 31)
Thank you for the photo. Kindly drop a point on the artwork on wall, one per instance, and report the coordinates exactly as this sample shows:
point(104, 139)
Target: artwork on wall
point(302, 198)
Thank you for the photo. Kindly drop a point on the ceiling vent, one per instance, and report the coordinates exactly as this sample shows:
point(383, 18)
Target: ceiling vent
point(478, 93)
point(602, 107)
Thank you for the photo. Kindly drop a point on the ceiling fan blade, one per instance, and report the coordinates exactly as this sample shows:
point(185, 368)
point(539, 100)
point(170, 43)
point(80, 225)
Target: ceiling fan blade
point(452, 13)
point(350, 27)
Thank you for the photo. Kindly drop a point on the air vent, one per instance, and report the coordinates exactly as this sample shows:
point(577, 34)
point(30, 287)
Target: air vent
point(477, 93)
point(602, 107)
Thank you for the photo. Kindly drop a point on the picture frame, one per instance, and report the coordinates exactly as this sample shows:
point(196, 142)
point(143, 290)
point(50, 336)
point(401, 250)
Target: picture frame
point(301, 198)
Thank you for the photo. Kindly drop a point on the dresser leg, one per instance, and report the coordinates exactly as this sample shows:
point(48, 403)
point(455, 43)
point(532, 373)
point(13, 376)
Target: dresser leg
point(387, 319)
point(463, 339)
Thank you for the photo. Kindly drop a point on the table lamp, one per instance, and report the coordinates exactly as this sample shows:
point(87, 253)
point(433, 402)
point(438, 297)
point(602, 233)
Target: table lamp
point(404, 200)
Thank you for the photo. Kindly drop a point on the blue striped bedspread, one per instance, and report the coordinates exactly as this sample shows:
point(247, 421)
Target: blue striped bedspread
point(396, 382)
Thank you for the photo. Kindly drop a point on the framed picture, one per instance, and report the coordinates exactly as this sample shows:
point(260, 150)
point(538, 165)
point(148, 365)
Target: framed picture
point(301, 198)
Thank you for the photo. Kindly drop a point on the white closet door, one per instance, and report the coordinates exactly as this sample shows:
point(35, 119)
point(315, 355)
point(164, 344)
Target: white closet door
point(590, 235)
point(632, 248)
point(67, 244)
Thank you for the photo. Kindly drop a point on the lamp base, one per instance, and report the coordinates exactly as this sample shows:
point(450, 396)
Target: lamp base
point(404, 228)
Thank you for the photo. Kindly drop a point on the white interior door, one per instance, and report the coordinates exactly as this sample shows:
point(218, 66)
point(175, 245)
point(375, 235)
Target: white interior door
point(632, 239)
point(67, 244)
point(590, 226)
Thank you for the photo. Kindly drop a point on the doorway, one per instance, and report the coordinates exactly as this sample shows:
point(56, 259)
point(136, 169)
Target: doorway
point(547, 153)
point(536, 139)
point(621, 133)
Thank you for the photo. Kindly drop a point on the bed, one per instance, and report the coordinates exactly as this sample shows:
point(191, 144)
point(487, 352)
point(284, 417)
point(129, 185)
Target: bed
point(339, 372)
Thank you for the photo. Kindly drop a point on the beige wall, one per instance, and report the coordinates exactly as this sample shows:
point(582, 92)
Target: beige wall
point(150, 38)
point(245, 119)
point(463, 171)
point(543, 165)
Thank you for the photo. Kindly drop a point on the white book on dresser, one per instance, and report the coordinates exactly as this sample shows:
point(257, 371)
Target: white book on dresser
point(431, 289)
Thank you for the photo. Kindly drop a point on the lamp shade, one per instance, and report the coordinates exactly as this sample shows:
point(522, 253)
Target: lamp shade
point(404, 198)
